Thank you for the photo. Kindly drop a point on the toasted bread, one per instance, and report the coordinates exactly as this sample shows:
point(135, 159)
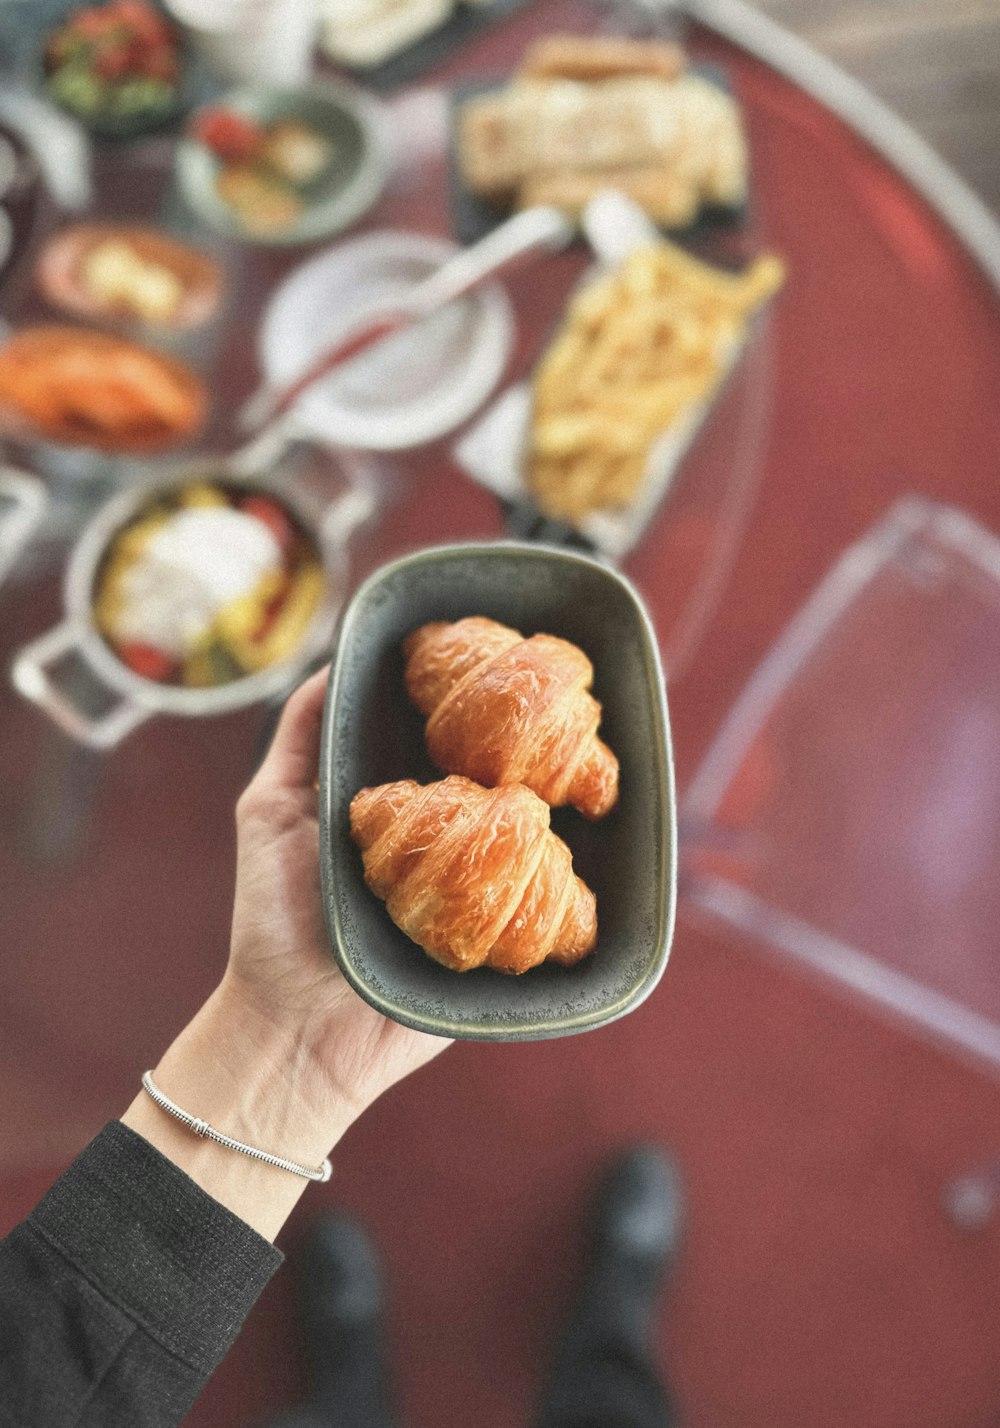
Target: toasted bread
point(497, 138)
point(673, 143)
point(591, 57)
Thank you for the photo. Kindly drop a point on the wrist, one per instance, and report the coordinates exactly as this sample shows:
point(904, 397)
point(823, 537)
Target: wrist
point(255, 1082)
point(254, 1079)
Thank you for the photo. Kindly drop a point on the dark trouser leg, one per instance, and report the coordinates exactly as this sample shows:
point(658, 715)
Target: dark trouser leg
point(342, 1311)
point(605, 1373)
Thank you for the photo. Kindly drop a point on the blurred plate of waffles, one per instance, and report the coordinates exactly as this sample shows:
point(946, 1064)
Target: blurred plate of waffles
point(586, 113)
point(116, 273)
point(83, 388)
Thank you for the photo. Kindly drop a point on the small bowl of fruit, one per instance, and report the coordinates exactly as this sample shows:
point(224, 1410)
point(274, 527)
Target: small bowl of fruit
point(208, 584)
point(284, 166)
point(117, 67)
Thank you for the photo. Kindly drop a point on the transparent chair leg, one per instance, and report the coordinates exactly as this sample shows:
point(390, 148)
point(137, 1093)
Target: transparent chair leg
point(973, 1199)
point(67, 774)
point(65, 785)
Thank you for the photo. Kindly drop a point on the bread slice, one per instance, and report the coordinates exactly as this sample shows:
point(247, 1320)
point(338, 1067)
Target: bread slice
point(589, 57)
point(561, 124)
point(497, 139)
point(672, 144)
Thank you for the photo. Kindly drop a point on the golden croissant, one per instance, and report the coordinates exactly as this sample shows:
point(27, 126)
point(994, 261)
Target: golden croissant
point(504, 709)
point(474, 875)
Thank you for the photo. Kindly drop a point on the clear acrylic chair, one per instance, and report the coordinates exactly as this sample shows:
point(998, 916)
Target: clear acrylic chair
point(848, 812)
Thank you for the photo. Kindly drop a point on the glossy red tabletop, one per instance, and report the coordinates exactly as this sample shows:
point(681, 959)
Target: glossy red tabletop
point(821, 1284)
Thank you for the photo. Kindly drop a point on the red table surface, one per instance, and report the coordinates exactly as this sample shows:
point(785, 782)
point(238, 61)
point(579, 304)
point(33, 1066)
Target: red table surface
point(820, 1282)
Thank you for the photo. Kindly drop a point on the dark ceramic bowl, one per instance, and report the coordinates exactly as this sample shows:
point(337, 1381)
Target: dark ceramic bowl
point(109, 123)
point(353, 123)
point(371, 735)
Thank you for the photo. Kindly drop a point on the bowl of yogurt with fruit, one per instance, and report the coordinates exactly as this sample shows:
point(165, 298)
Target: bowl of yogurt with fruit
point(195, 598)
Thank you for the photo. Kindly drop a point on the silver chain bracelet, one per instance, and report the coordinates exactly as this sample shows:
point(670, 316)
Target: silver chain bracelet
point(202, 1128)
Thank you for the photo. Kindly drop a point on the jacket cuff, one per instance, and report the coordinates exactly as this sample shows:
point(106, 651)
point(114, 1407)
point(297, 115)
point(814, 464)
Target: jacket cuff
point(154, 1243)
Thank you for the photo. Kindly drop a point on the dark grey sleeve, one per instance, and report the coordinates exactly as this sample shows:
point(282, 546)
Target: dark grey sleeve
point(121, 1292)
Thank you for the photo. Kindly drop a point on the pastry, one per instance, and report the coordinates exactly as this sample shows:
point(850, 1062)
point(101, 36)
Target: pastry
point(475, 876)
point(503, 709)
point(91, 389)
point(589, 57)
point(667, 198)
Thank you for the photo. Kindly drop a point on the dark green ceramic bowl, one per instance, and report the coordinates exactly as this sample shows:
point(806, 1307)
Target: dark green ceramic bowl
point(349, 185)
point(371, 735)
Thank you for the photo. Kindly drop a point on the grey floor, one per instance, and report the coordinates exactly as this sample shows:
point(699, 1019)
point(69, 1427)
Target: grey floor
point(936, 62)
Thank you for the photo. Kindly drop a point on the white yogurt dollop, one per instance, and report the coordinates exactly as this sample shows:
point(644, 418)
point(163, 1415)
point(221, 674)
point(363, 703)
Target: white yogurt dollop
point(198, 562)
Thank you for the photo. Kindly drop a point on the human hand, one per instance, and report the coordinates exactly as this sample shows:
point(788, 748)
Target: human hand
point(281, 971)
point(284, 1055)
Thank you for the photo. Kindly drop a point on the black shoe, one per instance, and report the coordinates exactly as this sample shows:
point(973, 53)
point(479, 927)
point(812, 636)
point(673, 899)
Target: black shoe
point(342, 1302)
point(637, 1227)
point(605, 1371)
point(639, 1210)
point(338, 1277)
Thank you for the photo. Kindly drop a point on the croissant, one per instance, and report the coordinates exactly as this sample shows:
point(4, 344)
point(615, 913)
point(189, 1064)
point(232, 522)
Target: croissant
point(475, 876)
point(504, 709)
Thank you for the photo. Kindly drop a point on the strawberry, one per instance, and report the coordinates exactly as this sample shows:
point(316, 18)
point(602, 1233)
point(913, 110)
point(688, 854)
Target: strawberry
point(263, 509)
point(113, 61)
point(231, 136)
point(148, 661)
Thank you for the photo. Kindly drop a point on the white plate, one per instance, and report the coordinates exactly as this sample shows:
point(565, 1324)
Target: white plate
point(410, 388)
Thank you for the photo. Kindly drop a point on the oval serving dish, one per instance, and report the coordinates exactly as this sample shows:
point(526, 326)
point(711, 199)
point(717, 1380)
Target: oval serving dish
point(60, 275)
point(371, 735)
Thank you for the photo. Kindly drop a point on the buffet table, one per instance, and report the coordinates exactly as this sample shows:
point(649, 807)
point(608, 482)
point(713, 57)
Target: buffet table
point(799, 1118)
